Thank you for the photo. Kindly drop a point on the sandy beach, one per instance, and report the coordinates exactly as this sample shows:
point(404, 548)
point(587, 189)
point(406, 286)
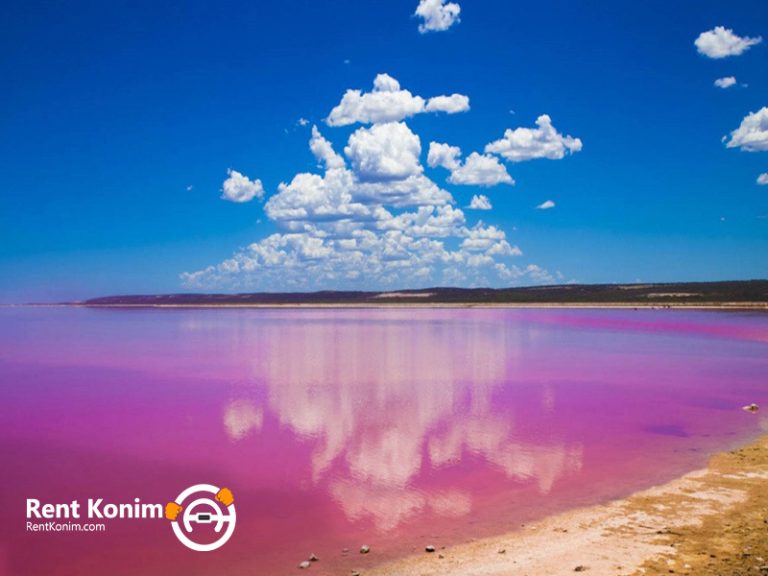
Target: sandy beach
point(712, 521)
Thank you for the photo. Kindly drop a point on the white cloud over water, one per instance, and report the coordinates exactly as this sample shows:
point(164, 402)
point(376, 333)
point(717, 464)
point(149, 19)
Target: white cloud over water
point(721, 42)
point(762, 180)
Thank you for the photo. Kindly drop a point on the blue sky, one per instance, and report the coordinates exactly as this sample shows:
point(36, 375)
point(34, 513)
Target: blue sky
point(120, 120)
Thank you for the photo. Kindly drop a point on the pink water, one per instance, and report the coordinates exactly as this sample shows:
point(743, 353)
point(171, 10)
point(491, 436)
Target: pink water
point(336, 428)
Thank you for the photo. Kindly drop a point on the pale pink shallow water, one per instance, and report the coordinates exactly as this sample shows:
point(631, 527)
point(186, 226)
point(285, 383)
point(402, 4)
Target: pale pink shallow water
point(335, 428)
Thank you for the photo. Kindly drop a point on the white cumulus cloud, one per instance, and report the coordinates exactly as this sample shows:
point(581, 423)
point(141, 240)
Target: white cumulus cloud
point(412, 191)
point(310, 198)
point(390, 103)
point(438, 15)
point(323, 150)
point(546, 205)
point(344, 199)
point(443, 155)
point(450, 104)
point(370, 217)
point(752, 134)
point(480, 170)
point(480, 202)
point(385, 83)
point(763, 179)
point(725, 82)
point(384, 152)
point(343, 231)
point(476, 170)
point(545, 141)
point(238, 188)
point(721, 42)
point(434, 221)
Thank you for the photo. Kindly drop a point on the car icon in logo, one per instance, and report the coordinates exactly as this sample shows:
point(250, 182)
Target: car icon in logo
point(197, 507)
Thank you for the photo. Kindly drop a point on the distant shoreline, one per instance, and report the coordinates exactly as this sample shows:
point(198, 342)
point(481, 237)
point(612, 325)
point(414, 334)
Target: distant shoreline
point(755, 306)
point(725, 295)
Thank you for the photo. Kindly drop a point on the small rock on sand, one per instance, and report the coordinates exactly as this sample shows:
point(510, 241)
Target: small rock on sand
point(364, 549)
point(313, 558)
point(429, 548)
point(751, 407)
point(305, 564)
point(580, 568)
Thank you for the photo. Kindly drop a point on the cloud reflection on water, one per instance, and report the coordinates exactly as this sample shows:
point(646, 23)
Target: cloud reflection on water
point(241, 418)
point(387, 402)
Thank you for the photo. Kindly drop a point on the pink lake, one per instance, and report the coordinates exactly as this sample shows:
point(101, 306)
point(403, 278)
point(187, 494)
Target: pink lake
point(335, 428)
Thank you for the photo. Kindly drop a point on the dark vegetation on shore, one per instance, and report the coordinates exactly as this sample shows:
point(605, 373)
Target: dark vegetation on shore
point(678, 293)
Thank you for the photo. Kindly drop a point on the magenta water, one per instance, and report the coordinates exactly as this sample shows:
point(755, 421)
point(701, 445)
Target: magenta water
point(336, 428)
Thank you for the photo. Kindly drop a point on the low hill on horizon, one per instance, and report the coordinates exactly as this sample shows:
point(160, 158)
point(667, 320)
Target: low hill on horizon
point(691, 293)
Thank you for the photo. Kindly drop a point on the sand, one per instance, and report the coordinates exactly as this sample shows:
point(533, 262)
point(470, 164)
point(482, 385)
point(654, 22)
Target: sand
point(709, 522)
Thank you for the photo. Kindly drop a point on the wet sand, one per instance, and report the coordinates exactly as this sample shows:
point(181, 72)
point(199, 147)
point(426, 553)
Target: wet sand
point(712, 521)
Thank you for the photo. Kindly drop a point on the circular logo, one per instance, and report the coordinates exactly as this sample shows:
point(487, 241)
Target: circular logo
point(203, 517)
